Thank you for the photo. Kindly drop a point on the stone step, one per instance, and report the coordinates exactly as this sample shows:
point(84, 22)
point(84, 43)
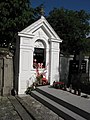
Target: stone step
point(57, 96)
point(19, 108)
point(57, 108)
point(36, 109)
point(28, 108)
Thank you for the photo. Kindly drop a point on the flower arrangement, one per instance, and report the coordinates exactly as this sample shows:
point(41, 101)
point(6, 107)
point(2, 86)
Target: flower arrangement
point(60, 85)
point(41, 77)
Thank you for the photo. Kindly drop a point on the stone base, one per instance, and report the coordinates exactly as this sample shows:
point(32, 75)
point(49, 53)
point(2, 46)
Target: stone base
point(7, 90)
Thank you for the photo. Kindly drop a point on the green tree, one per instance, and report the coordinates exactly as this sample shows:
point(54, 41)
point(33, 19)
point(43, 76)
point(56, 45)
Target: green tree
point(39, 10)
point(86, 45)
point(72, 27)
point(15, 15)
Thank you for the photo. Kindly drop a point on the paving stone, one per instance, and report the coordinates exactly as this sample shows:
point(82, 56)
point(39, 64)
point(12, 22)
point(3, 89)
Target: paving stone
point(7, 111)
point(37, 109)
point(20, 109)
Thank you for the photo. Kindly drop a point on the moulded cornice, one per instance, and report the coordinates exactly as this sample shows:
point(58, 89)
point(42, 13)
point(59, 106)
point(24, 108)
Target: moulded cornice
point(21, 34)
point(56, 40)
point(41, 23)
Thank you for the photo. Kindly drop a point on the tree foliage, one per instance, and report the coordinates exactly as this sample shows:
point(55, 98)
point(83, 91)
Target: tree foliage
point(38, 11)
point(15, 15)
point(87, 46)
point(72, 27)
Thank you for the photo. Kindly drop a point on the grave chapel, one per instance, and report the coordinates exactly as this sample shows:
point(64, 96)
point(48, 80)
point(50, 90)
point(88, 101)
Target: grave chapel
point(37, 43)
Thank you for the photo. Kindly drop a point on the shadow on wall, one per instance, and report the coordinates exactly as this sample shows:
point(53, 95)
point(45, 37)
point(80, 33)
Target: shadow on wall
point(64, 69)
point(6, 72)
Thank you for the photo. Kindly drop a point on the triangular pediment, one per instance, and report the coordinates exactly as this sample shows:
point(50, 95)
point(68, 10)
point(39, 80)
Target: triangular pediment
point(44, 25)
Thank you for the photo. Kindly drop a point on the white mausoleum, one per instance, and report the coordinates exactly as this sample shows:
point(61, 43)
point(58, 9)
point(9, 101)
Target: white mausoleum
point(38, 43)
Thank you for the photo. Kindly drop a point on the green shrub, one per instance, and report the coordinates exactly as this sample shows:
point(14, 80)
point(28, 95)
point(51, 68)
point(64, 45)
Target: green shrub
point(29, 89)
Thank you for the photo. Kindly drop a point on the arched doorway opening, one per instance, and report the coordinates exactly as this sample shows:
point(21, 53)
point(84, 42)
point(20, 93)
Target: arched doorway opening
point(39, 54)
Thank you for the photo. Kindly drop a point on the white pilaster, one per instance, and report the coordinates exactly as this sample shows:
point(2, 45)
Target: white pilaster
point(54, 62)
point(26, 62)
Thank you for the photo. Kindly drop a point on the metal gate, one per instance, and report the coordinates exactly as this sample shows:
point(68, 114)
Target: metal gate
point(1, 76)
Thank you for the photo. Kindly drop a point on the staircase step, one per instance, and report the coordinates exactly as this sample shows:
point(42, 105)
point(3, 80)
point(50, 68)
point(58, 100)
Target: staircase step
point(19, 108)
point(57, 108)
point(71, 102)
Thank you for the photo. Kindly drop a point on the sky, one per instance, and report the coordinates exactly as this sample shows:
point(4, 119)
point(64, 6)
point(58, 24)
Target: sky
point(67, 4)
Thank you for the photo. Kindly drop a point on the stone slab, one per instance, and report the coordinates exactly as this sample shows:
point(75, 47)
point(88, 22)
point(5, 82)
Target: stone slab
point(7, 111)
point(18, 107)
point(78, 101)
point(57, 108)
point(37, 109)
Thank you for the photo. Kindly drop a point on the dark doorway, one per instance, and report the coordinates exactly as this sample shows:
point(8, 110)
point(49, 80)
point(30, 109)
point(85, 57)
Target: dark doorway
point(40, 56)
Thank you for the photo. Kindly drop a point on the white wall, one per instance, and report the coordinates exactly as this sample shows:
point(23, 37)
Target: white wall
point(42, 30)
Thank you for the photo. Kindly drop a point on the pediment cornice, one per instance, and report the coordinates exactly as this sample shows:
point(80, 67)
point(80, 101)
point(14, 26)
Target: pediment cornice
point(43, 24)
